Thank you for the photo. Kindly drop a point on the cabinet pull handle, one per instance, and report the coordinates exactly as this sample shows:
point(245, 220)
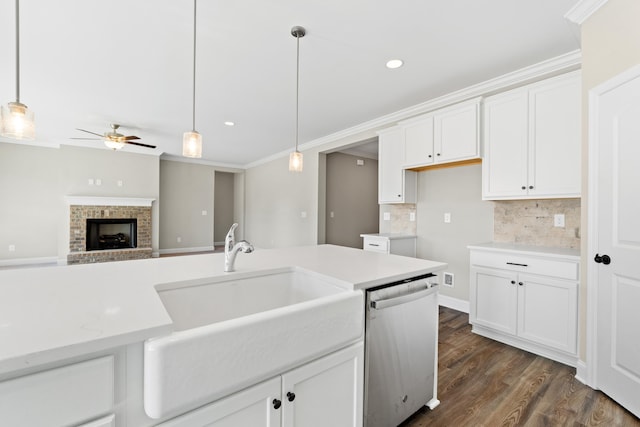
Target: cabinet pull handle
point(276, 404)
point(373, 244)
point(520, 283)
point(519, 265)
point(291, 396)
point(513, 282)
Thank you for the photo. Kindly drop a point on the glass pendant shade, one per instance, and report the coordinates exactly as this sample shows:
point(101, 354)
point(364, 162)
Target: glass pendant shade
point(17, 122)
point(114, 145)
point(295, 161)
point(192, 144)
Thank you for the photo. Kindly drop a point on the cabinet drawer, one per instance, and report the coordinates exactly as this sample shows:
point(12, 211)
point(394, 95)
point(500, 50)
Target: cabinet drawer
point(563, 269)
point(376, 244)
point(62, 396)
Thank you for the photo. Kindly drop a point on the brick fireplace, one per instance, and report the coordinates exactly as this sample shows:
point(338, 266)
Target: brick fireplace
point(82, 209)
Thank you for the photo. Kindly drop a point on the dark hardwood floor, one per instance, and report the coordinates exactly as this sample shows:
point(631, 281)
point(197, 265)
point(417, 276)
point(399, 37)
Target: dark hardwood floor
point(482, 382)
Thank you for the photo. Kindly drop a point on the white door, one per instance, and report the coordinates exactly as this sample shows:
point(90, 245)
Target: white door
point(618, 236)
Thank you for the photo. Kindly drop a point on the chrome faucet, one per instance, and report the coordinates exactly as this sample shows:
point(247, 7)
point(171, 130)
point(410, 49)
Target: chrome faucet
point(231, 249)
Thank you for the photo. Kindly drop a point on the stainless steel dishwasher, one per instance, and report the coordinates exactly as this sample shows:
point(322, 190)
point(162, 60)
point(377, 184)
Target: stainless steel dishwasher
point(401, 342)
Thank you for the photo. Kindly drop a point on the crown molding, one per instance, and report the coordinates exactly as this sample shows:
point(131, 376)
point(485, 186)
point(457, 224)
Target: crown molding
point(554, 66)
point(583, 10)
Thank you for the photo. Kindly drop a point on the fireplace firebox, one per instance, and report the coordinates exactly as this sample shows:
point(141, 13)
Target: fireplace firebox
point(112, 233)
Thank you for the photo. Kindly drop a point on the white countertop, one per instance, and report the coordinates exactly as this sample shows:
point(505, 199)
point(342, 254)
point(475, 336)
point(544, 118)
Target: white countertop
point(390, 236)
point(528, 249)
point(57, 312)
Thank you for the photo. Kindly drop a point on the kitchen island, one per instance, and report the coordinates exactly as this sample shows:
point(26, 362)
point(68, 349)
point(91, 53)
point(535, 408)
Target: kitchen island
point(53, 316)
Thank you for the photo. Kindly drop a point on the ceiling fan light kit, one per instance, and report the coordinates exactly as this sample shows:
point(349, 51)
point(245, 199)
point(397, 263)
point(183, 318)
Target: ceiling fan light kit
point(192, 141)
point(16, 120)
point(295, 158)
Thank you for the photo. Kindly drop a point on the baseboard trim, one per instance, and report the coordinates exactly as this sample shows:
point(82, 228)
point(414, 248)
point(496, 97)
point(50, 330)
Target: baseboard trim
point(582, 374)
point(185, 250)
point(453, 303)
point(28, 261)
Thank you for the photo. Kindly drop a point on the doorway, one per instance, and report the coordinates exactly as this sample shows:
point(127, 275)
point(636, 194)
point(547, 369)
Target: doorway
point(352, 194)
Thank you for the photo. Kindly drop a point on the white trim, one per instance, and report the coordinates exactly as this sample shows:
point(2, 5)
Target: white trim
point(454, 303)
point(583, 10)
point(108, 201)
point(590, 374)
point(582, 373)
point(185, 250)
point(222, 167)
point(558, 65)
point(51, 260)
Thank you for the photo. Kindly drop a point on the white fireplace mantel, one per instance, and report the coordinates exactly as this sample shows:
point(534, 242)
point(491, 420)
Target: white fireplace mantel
point(108, 201)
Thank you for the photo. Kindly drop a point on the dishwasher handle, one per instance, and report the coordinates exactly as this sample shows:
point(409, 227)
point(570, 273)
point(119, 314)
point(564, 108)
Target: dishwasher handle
point(390, 302)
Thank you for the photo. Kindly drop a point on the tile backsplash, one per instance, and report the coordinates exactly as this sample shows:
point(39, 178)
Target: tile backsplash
point(399, 221)
point(530, 222)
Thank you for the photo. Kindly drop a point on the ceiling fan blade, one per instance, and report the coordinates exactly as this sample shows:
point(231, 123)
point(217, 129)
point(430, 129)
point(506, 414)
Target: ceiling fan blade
point(128, 138)
point(140, 144)
point(92, 133)
point(88, 139)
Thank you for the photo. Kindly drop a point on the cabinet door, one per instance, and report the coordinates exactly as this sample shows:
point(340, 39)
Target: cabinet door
point(326, 392)
point(418, 143)
point(494, 299)
point(504, 166)
point(395, 185)
point(555, 137)
point(547, 311)
point(390, 158)
point(253, 407)
point(456, 133)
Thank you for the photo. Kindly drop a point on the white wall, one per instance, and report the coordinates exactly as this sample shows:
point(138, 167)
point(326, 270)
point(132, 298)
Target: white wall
point(458, 191)
point(34, 182)
point(186, 190)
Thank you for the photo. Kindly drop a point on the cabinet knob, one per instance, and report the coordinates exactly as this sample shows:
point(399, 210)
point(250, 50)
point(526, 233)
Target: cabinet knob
point(520, 283)
point(399, 195)
point(524, 188)
point(438, 154)
point(291, 396)
point(513, 282)
point(531, 187)
point(430, 156)
point(276, 404)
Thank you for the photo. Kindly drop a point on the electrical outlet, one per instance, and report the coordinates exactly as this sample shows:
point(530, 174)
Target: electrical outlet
point(386, 216)
point(204, 213)
point(447, 217)
point(12, 248)
point(447, 278)
point(303, 214)
point(412, 216)
point(119, 183)
point(331, 214)
point(179, 239)
point(558, 220)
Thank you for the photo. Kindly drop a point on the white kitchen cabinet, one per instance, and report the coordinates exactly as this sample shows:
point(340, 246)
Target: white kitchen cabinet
point(395, 185)
point(324, 392)
point(532, 141)
point(526, 299)
point(390, 243)
point(447, 135)
point(62, 396)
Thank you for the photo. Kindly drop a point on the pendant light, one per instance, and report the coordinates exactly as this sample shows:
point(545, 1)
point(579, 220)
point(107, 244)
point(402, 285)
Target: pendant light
point(295, 158)
point(192, 141)
point(16, 120)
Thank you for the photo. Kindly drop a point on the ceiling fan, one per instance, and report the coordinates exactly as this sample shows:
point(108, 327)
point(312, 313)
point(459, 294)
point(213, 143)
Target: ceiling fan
point(115, 140)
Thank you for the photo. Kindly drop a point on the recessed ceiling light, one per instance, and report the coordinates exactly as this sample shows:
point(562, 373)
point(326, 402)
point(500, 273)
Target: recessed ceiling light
point(229, 123)
point(394, 63)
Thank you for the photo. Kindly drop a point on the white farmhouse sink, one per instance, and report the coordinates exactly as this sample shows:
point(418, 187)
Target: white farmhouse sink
point(235, 330)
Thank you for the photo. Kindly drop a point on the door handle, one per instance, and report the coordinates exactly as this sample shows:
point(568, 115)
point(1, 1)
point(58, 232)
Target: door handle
point(604, 259)
point(384, 303)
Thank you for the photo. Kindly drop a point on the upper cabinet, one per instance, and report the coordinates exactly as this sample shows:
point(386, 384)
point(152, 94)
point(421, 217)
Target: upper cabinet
point(443, 136)
point(395, 185)
point(532, 141)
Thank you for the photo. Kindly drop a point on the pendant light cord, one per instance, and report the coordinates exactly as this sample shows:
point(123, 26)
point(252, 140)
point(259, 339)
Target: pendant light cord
point(18, 51)
point(193, 106)
point(297, 84)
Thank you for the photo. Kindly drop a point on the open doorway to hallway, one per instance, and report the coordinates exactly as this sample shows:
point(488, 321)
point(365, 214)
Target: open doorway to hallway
point(352, 194)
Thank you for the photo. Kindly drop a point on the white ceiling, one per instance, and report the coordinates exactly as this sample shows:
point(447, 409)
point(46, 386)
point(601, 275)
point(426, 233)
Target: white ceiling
point(88, 63)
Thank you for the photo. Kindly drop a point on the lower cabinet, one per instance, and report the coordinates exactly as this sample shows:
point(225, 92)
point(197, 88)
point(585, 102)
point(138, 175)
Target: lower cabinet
point(528, 301)
point(325, 392)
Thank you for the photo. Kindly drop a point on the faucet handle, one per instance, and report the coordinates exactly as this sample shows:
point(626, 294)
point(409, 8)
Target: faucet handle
point(231, 231)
